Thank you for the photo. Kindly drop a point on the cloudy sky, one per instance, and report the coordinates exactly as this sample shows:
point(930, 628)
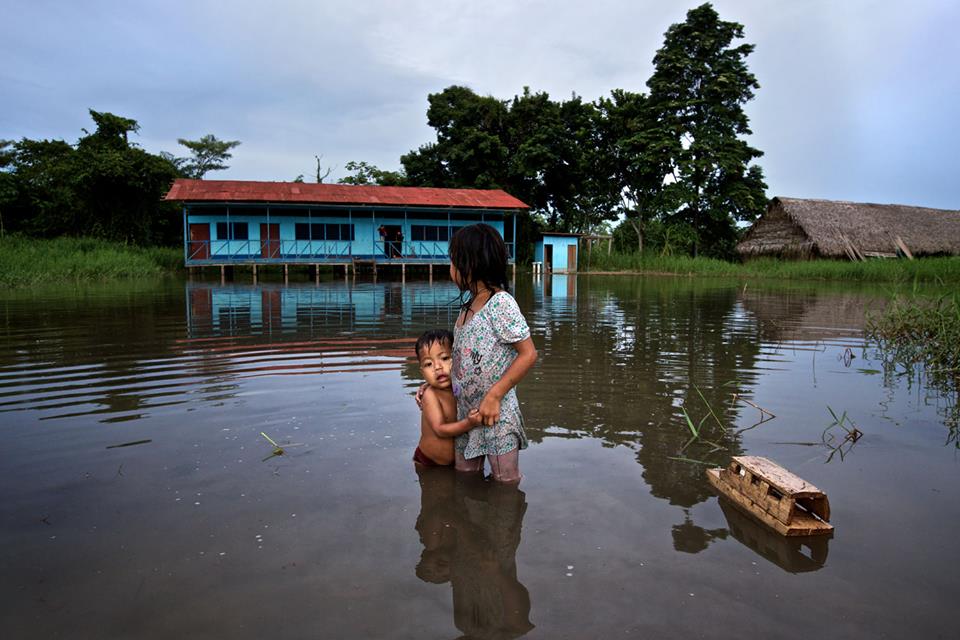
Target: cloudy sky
point(859, 99)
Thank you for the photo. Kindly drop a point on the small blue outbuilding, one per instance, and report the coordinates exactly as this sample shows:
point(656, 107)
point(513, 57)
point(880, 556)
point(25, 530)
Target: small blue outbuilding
point(557, 252)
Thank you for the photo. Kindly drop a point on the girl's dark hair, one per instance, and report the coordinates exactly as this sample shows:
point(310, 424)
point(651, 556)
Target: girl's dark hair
point(479, 255)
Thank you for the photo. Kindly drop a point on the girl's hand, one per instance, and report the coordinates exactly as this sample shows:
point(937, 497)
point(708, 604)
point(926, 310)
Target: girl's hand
point(490, 409)
point(419, 396)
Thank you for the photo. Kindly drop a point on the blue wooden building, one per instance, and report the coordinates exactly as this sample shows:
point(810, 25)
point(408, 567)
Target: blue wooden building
point(228, 222)
point(557, 252)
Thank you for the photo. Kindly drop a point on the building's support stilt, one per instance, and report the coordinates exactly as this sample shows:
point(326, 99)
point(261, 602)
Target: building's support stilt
point(403, 273)
point(430, 269)
point(286, 274)
point(316, 273)
point(254, 273)
point(223, 274)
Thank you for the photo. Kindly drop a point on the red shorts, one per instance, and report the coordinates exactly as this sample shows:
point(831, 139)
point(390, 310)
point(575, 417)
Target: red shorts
point(421, 458)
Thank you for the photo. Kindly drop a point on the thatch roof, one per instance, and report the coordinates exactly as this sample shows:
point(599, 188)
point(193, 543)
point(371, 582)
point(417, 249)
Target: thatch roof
point(831, 228)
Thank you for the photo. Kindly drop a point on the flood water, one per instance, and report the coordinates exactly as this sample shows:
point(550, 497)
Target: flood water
point(193, 529)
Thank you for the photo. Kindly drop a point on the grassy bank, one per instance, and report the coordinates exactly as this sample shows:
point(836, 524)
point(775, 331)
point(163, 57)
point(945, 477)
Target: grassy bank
point(921, 331)
point(926, 270)
point(29, 261)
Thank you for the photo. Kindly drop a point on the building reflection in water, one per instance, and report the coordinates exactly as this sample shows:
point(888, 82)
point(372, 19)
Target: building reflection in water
point(555, 285)
point(470, 530)
point(331, 307)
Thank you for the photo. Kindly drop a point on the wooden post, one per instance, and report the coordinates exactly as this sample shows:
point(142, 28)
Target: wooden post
point(254, 273)
point(316, 273)
point(285, 273)
point(403, 273)
point(430, 268)
point(223, 274)
point(898, 241)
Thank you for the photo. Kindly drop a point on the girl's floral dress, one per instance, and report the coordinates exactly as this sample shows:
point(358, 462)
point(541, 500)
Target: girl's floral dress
point(482, 352)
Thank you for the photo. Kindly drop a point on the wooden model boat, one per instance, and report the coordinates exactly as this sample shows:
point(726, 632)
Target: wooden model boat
point(784, 502)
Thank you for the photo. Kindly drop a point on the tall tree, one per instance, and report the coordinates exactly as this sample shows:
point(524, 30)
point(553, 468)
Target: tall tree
point(470, 150)
point(539, 150)
point(699, 86)
point(208, 154)
point(636, 156)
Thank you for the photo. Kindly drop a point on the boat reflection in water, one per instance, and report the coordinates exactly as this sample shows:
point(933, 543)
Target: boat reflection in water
point(796, 554)
point(470, 531)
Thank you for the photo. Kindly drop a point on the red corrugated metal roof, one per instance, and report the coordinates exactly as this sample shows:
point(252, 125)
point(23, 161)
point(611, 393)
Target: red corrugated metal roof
point(305, 193)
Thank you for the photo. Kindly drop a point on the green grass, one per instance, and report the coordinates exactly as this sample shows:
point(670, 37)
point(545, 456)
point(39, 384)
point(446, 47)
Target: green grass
point(921, 334)
point(916, 330)
point(925, 270)
point(30, 261)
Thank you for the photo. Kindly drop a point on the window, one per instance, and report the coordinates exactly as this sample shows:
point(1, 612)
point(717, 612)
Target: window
point(429, 233)
point(232, 231)
point(322, 231)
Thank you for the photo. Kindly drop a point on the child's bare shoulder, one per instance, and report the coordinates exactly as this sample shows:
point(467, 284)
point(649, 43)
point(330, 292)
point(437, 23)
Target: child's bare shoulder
point(442, 401)
point(430, 394)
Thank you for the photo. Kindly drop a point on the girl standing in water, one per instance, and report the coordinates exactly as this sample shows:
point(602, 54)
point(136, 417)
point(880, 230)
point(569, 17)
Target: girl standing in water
point(492, 352)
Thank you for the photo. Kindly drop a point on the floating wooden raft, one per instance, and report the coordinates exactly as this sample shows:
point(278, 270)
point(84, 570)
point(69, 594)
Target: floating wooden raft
point(782, 501)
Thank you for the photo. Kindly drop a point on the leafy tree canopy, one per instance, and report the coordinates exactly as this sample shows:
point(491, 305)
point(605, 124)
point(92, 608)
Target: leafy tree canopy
point(207, 154)
point(698, 89)
point(103, 186)
point(365, 173)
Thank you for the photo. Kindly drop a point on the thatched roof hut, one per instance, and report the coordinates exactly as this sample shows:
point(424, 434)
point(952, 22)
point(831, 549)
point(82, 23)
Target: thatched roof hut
point(835, 229)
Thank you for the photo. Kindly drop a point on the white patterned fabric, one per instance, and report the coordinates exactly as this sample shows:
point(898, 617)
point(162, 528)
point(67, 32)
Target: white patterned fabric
point(482, 351)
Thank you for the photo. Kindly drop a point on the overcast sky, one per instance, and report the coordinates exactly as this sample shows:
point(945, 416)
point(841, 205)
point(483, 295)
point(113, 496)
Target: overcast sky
point(859, 99)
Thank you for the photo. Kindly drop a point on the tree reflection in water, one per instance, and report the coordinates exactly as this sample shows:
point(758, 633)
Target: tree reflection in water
point(470, 531)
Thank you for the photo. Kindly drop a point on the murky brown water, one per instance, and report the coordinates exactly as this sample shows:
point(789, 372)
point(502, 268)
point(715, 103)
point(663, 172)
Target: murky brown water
point(196, 531)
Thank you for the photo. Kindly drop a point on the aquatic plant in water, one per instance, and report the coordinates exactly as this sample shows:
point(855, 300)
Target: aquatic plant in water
point(920, 338)
point(851, 434)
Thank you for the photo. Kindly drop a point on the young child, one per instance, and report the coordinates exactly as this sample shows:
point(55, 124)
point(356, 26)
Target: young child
point(492, 353)
point(438, 420)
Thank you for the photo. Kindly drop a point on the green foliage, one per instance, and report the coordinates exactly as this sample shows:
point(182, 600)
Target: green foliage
point(919, 335)
point(915, 330)
point(672, 165)
point(29, 261)
point(699, 86)
point(104, 186)
point(207, 154)
point(365, 173)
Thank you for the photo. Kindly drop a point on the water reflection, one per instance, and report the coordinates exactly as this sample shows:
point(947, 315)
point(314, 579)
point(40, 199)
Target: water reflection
point(795, 554)
point(627, 356)
point(274, 309)
point(690, 538)
point(554, 285)
point(470, 530)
